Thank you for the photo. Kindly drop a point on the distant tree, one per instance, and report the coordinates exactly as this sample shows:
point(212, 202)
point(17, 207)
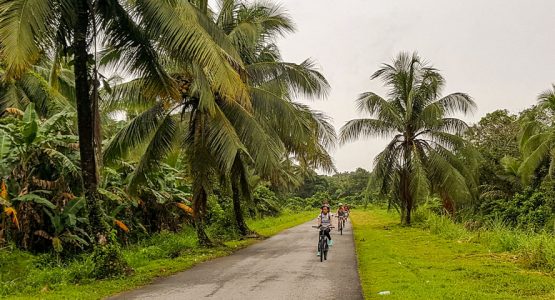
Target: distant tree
point(495, 137)
point(537, 140)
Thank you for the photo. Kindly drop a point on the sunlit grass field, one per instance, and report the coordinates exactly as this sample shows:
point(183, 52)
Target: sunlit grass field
point(414, 263)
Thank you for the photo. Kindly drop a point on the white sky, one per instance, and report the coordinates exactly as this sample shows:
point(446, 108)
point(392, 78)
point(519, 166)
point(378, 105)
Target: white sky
point(501, 52)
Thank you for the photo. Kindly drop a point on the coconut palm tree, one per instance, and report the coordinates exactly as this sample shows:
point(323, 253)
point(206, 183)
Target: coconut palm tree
point(426, 150)
point(252, 29)
point(226, 136)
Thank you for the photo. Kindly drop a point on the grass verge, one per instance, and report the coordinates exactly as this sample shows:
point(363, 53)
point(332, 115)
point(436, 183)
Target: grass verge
point(26, 276)
point(413, 263)
point(534, 250)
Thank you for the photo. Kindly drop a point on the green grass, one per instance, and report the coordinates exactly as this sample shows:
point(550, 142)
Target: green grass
point(535, 250)
point(271, 226)
point(26, 276)
point(414, 263)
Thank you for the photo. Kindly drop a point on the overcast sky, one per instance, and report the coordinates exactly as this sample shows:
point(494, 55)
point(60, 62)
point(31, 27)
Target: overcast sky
point(501, 52)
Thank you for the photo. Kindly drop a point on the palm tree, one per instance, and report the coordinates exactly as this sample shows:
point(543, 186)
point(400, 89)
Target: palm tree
point(137, 31)
point(226, 136)
point(252, 29)
point(537, 141)
point(427, 150)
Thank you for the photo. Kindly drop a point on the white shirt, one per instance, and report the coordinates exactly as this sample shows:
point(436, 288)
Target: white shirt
point(325, 220)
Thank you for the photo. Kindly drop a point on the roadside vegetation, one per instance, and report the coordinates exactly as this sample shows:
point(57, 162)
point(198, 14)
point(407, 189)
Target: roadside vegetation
point(134, 132)
point(438, 259)
point(45, 276)
point(490, 182)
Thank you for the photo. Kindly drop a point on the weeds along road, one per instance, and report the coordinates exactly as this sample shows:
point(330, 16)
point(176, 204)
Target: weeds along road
point(284, 266)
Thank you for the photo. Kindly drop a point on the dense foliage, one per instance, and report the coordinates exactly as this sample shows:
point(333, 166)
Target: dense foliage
point(120, 120)
point(516, 185)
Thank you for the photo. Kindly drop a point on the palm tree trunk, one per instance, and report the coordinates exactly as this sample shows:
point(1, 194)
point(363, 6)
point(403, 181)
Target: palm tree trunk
point(405, 198)
point(406, 179)
point(239, 187)
point(85, 120)
point(448, 204)
point(408, 211)
point(97, 125)
point(237, 210)
point(200, 198)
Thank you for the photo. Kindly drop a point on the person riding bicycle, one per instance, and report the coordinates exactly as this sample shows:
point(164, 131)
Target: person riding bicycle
point(346, 210)
point(341, 212)
point(324, 221)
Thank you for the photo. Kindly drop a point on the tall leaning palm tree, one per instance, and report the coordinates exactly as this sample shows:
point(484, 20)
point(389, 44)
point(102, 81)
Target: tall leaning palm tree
point(427, 153)
point(252, 29)
point(226, 135)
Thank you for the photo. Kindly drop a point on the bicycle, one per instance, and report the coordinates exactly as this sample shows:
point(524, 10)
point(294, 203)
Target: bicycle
point(341, 223)
point(323, 243)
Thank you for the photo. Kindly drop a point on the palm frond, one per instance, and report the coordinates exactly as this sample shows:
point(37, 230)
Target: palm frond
point(457, 102)
point(356, 128)
point(265, 150)
point(533, 160)
point(25, 26)
point(133, 134)
point(159, 146)
point(175, 27)
point(222, 140)
point(138, 54)
point(300, 79)
point(547, 98)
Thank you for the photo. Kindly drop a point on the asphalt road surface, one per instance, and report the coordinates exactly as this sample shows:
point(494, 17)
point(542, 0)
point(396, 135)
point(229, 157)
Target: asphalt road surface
point(284, 266)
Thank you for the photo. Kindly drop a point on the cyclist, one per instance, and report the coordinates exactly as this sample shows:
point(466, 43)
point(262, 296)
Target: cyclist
point(324, 220)
point(341, 213)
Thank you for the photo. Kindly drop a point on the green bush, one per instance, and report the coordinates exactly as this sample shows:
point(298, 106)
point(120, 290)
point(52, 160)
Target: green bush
point(530, 209)
point(108, 260)
point(221, 218)
point(266, 202)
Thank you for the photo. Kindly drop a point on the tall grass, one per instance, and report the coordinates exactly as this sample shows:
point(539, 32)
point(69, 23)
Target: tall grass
point(534, 250)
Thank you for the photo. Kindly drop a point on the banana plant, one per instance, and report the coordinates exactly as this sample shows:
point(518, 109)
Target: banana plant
point(67, 224)
point(38, 157)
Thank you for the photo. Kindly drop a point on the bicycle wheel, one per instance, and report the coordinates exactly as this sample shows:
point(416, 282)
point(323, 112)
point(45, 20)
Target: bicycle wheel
point(343, 226)
point(322, 251)
point(326, 251)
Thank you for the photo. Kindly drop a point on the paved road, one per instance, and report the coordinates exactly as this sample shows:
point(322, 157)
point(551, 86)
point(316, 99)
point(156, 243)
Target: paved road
point(284, 266)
